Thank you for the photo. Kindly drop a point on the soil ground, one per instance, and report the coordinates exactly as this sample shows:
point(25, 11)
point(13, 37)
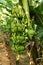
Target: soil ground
point(7, 57)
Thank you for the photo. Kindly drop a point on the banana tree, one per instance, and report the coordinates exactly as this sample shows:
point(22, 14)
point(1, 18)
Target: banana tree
point(22, 21)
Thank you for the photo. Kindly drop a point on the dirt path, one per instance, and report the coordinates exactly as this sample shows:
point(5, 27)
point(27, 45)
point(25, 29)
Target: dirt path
point(3, 55)
point(7, 57)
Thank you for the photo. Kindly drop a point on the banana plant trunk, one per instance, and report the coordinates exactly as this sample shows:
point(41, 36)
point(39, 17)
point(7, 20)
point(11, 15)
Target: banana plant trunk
point(26, 8)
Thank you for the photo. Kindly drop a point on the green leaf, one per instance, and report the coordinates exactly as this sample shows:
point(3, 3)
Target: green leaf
point(39, 33)
point(40, 8)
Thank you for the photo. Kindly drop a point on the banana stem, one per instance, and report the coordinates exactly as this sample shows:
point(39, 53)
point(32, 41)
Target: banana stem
point(26, 8)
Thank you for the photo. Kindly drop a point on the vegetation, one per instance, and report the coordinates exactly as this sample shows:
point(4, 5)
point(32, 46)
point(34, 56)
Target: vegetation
point(22, 23)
